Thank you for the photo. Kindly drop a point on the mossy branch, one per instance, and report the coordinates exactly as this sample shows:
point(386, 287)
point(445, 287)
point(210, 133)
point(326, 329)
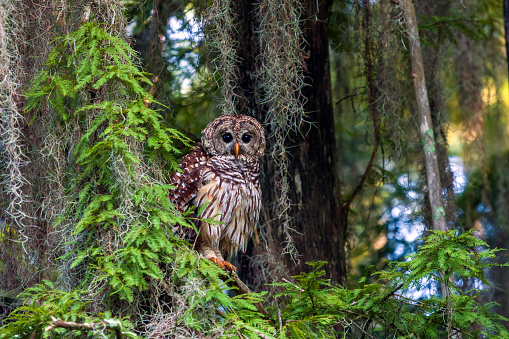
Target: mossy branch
point(114, 325)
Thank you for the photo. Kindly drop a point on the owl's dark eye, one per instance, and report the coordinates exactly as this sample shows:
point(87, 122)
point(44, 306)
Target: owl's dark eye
point(227, 137)
point(246, 138)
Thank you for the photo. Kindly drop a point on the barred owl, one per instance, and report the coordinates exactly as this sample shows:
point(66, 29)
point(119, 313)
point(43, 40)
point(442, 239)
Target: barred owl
point(223, 174)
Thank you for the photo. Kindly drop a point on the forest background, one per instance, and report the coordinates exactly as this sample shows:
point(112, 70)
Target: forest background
point(89, 140)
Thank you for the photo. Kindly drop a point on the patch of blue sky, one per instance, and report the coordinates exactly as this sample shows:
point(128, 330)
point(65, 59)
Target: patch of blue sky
point(184, 33)
point(404, 218)
point(186, 28)
point(458, 170)
point(405, 225)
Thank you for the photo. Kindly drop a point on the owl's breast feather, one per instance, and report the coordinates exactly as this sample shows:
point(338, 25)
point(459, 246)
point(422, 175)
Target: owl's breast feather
point(235, 203)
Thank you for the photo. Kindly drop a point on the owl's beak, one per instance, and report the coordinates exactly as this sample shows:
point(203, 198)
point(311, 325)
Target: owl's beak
point(237, 150)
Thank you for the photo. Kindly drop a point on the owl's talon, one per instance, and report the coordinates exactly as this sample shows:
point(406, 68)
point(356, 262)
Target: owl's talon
point(216, 261)
point(229, 267)
point(224, 265)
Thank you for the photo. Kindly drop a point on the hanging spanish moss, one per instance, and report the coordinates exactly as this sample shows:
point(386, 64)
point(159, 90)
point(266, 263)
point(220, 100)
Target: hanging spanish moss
point(220, 27)
point(24, 43)
point(13, 217)
point(281, 72)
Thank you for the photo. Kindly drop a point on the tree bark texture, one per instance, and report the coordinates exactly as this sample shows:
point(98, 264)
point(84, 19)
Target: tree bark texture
point(434, 85)
point(314, 173)
point(426, 127)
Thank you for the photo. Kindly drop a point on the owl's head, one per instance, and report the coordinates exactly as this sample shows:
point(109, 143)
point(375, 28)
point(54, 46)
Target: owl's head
point(234, 137)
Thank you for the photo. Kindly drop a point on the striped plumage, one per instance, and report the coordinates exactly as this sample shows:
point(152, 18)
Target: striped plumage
point(223, 172)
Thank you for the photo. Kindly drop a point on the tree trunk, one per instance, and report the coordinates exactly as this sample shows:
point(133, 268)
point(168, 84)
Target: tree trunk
point(426, 127)
point(500, 275)
point(313, 175)
point(438, 218)
point(506, 25)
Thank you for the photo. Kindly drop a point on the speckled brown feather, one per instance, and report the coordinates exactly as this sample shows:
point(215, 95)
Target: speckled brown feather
point(187, 182)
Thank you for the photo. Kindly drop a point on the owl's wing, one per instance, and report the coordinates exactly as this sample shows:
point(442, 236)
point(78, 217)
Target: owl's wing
point(187, 182)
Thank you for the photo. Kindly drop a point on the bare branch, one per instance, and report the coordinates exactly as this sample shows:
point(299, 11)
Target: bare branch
point(110, 324)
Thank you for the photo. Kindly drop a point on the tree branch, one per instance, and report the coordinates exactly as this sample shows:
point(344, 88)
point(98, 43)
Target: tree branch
point(111, 324)
point(243, 289)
